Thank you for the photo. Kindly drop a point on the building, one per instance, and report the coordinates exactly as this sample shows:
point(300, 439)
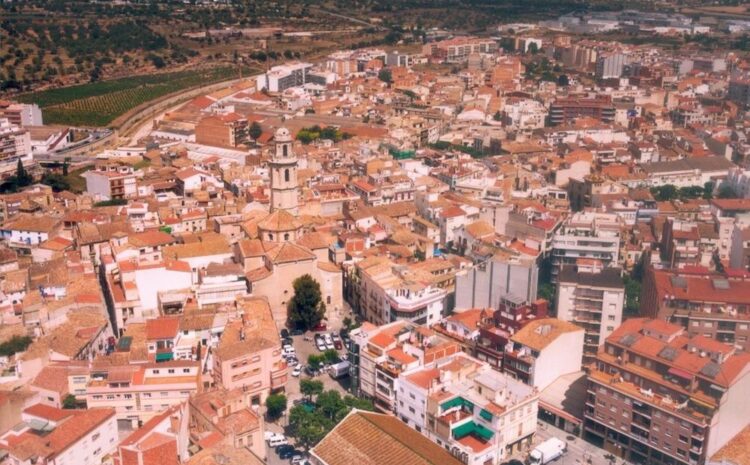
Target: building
point(659, 396)
point(108, 182)
point(138, 392)
point(479, 415)
point(501, 277)
point(565, 111)
point(587, 236)
point(374, 438)
point(458, 49)
point(739, 181)
point(52, 436)
point(592, 298)
point(384, 292)
point(714, 305)
point(379, 354)
point(21, 114)
point(693, 171)
point(286, 76)
point(15, 144)
point(230, 414)
point(163, 440)
point(543, 350)
point(739, 91)
point(248, 355)
point(228, 130)
point(610, 65)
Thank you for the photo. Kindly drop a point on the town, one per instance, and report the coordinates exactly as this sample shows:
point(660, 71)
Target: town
point(483, 249)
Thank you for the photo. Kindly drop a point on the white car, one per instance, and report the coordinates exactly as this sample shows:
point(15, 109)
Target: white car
point(328, 341)
point(321, 345)
point(288, 351)
point(296, 372)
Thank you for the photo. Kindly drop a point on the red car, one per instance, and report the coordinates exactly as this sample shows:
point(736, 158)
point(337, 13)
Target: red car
point(321, 327)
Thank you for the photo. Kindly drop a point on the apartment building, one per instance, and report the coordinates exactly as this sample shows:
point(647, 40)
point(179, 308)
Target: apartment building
point(544, 350)
point(382, 291)
point(15, 143)
point(479, 415)
point(228, 130)
point(564, 111)
point(21, 114)
point(686, 172)
point(286, 76)
point(248, 355)
point(657, 395)
point(709, 304)
point(108, 182)
point(378, 355)
point(610, 65)
point(587, 235)
point(506, 275)
point(138, 392)
point(52, 436)
point(592, 298)
point(458, 49)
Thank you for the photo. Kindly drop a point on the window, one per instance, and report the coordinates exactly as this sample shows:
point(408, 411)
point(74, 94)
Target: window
point(186, 370)
point(170, 371)
point(285, 150)
point(95, 437)
point(156, 372)
point(611, 317)
point(286, 175)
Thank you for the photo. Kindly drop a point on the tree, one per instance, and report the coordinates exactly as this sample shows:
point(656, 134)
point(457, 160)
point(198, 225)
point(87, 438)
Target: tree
point(385, 75)
point(708, 190)
point(726, 192)
point(306, 309)
point(664, 193)
point(69, 402)
point(255, 131)
point(315, 361)
point(275, 406)
point(57, 182)
point(563, 80)
point(22, 177)
point(533, 48)
point(497, 116)
point(331, 356)
point(310, 387)
point(14, 345)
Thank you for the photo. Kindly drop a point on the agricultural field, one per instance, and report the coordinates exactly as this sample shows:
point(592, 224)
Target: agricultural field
point(100, 103)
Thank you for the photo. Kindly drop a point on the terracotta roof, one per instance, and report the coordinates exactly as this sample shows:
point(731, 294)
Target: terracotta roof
point(368, 438)
point(279, 221)
point(150, 239)
point(735, 451)
point(287, 252)
point(162, 328)
point(538, 334)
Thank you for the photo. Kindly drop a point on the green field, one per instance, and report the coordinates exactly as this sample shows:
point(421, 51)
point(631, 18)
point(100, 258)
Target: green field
point(100, 103)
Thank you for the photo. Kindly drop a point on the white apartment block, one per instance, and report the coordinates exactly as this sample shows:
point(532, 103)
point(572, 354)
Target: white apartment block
point(479, 415)
point(739, 180)
point(587, 235)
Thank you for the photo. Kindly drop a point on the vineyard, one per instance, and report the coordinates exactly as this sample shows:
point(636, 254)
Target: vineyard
point(99, 103)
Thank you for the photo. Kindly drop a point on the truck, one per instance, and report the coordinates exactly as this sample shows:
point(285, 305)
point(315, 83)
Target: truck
point(339, 370)
point(549, 450)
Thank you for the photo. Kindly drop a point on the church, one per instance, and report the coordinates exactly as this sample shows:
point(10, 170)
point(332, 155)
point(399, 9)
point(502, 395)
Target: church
point(281, 248)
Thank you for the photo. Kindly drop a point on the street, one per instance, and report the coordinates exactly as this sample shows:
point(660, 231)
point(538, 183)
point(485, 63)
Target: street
point(304, 349)
point(579, 451)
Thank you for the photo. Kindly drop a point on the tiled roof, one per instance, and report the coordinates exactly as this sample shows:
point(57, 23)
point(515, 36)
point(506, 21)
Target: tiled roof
point(162, 328)
point(368, 438)
point(278, 221)
point(538, 334)
point(289, 252)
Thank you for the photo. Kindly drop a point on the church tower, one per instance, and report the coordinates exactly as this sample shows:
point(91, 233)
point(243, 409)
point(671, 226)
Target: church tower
point(283, 167)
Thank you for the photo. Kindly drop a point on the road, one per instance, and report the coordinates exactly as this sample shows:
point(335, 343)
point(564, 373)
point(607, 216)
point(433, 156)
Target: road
point(350, 18)
point(304, 349)
point(579, 451)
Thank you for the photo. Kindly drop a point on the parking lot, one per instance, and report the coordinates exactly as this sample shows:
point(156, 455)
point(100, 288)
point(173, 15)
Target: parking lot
point(579, 452)
point(304, 349)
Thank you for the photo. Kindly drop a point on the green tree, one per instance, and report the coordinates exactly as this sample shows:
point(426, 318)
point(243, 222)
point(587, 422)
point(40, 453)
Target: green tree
point(726, 192)
point(315, 361)
point(310, 387)
point(385, 75)
point(69, 402)
point(497, 116)
point(255, 131)
point(23, 178)
point(632, 295)
point(664, 193)
point(331, 356)
point(14, 345)
point(306, 309)
point(275, 406)
point(57, 182)
point(708, 190)
point(533, 48)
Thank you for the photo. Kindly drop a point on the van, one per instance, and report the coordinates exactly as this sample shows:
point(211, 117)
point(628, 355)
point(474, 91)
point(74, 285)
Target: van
point(277, 441)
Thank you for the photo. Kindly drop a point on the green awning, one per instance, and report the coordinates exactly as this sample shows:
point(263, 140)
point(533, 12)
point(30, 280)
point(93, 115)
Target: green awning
point(164, 356)
point(472, 428)
point(485, 414)
point(463, 430)
point(457, 402)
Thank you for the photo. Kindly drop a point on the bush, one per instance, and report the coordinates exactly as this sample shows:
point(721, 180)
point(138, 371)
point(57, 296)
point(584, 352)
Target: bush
point(14, 345)
point(275, 406)
point(111, 203)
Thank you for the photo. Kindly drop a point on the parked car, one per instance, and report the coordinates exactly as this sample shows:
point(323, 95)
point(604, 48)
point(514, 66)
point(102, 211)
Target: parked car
point(337, 344)
point(297, 460)
point(284, 333)
point(287, 341)
point(321, 327)
point(321, 345)
point(278, 441)
point(311, 371)
point(296, 372)
point(329, 341)
point(285, 449)
point(296, 332)
point(287, 454)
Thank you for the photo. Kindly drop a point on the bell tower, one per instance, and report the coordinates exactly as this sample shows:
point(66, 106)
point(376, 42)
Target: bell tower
point(283, 167)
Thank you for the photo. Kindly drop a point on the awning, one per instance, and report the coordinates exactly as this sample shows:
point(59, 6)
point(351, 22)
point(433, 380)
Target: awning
point(164, 356)
point(456, 402)
point(680, 373)
point(485, 414)
point(472, 428)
